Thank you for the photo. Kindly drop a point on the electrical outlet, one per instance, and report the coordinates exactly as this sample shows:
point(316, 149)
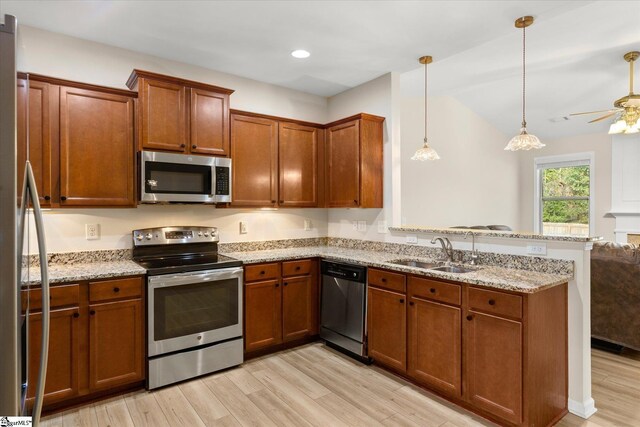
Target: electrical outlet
point(382, 227)
point(308, 225)
point(243, 227)
point(362, 225)
point(412, 239)
point(92, 231)
point(354, 224)
point(539, 249)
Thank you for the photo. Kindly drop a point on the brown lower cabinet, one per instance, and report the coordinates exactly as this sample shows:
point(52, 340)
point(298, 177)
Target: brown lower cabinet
point(96, 338)
point(280, 303)
point(501, 354)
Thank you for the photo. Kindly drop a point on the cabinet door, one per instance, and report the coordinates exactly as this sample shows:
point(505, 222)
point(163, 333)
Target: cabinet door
point(62, 367)
point(494, 365)
point(387, 321)
point(96, 148)
point(263, 314)
point(296, 307)
point(435, 337)
point(35, 108)
point(298, 165)
point(209, 123)
point(116, 344)
point(163, 118)
point(254, 150)
point(343, 157)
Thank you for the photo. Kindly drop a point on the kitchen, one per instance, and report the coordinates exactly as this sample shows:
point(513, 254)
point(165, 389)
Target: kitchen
point(267, 226)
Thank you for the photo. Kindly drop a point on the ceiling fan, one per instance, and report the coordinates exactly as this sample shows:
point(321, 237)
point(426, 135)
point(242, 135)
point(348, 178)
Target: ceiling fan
point(627, 108)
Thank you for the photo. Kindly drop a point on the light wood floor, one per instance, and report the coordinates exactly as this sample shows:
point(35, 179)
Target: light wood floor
point(314, 385)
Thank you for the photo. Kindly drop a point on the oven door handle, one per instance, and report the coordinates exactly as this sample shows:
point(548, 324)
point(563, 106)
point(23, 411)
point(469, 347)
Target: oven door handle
point(196, 277)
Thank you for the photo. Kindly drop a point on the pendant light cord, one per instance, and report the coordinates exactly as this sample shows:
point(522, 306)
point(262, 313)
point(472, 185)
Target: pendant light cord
point(524, 73)
point(425, 102)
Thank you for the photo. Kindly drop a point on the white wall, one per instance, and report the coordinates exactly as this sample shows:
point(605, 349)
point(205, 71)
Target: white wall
point(600, 145)
point(379, 97)
point(66, 57)
point(475, 182)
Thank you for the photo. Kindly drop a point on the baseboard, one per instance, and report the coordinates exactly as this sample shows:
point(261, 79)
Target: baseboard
point(582, 409)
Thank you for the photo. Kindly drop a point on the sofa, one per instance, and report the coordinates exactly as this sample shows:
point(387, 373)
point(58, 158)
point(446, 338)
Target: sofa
point(615, 294)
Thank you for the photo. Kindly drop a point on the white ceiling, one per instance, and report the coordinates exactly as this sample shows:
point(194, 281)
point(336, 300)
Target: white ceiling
point(574, 47)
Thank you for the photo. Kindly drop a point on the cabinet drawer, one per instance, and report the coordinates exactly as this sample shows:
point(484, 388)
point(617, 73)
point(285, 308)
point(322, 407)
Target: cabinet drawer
point(59, 296)
point(296, 268)
point(387, 280)
point(438, 291)
point(115, 289)
point(257, 272)
point(495, 302)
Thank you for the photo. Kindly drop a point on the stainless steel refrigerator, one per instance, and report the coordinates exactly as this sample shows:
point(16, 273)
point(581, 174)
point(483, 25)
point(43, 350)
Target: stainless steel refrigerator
point(17, 216)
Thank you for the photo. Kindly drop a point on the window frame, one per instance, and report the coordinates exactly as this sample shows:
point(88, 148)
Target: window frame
point(559, 161)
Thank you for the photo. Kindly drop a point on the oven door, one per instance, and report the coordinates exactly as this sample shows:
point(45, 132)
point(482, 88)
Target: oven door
point(169, 177)
point(187, 310)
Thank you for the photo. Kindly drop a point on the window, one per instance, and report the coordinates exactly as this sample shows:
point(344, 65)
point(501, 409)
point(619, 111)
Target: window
point(564, 197)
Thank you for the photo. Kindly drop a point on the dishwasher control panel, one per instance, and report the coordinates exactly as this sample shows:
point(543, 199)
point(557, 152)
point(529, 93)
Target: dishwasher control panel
point(343, 271)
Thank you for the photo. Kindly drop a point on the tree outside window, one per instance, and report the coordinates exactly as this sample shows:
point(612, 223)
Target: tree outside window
point(565, 200)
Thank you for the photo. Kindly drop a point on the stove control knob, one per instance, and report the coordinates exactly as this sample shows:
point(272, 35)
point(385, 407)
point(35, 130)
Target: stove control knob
point(149, 236)
point(206, 234)
point(139, 237)
point(199, 233)
point(214, 233)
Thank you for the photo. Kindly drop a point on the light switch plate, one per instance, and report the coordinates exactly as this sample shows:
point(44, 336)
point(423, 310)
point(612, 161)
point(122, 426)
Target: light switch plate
point(412, 239)
point(243, 227)
point(92, 231)
point(539, 249)
point(362, 225)
point(382, 227)
point(307, 224)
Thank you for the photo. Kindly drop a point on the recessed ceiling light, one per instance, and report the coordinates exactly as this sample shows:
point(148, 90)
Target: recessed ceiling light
point(300, 53)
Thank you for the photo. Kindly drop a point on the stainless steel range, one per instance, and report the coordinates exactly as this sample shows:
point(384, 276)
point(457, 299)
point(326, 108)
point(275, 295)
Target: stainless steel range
point(194, 303)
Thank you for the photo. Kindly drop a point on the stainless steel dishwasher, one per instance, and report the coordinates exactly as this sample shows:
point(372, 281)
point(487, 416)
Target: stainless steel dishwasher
point(343, 306)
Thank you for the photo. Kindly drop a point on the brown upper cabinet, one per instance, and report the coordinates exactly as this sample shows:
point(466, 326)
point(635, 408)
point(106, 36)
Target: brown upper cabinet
point(81, 142)
point(354, 162)
point(275, 162)
point(181, 115)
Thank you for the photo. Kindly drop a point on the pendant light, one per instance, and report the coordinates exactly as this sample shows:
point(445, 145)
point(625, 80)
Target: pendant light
point(425, 152)
point(524, 141)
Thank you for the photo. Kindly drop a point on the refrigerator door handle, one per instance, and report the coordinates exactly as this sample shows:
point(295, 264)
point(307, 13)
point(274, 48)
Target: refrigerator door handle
point(30, 190)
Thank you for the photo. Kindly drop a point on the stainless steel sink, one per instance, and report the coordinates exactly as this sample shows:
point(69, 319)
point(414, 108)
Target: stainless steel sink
point(454, 269)
point(417, 264)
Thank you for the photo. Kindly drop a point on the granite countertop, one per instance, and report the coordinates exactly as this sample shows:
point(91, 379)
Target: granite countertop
point(494, 234)
point(83, 271)
point(491, 276)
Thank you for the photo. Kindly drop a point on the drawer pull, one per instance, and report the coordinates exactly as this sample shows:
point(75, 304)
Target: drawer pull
point(194, 146)
point(411, 302)
point(401, 301)
point(273, 201)
point(47, 198)
point(432, 290)
point(383, 280)
point(63, 198)
point(469, 317)
point(277, 285)
point(262, 272)
point(285, 283)
point(298, 268)
point(492, 302)
point(182, 145)
point(76, 315)
point(92, 312)
point(116, 289)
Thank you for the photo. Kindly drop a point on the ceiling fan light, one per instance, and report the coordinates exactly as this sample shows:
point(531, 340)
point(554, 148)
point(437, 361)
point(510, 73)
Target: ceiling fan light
point(425, 153)
point(619, 126)
point(525, 142)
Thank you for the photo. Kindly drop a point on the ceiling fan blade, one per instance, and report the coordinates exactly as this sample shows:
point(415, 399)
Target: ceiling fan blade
point(603, 117)
point(595, 112)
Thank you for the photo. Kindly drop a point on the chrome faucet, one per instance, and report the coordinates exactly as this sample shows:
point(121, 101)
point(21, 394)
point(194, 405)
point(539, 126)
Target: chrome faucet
point(474, 251)
point(447, 248)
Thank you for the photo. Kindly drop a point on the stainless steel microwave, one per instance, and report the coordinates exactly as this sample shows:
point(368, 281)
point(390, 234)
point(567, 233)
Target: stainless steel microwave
point(184, 178)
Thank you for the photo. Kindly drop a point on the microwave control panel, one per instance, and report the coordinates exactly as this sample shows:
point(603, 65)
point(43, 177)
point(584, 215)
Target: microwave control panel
point(222, 181)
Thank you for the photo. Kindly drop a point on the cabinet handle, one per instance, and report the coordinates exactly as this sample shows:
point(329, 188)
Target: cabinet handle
point(92, 312)
point(47, 198)
point(182, 145)
point(402, 301)
point(63, 198)
point(469, 317)
point(383, 280)
point(262, 272)
point(194, 146)
point(298, 268)
point(492, 302)
point(277, 285)
point(273, 201)
point(355, 201)
point(116, 289)
point(432, 290)
point(76, 315)
point(411, 302)
point(285, 283)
